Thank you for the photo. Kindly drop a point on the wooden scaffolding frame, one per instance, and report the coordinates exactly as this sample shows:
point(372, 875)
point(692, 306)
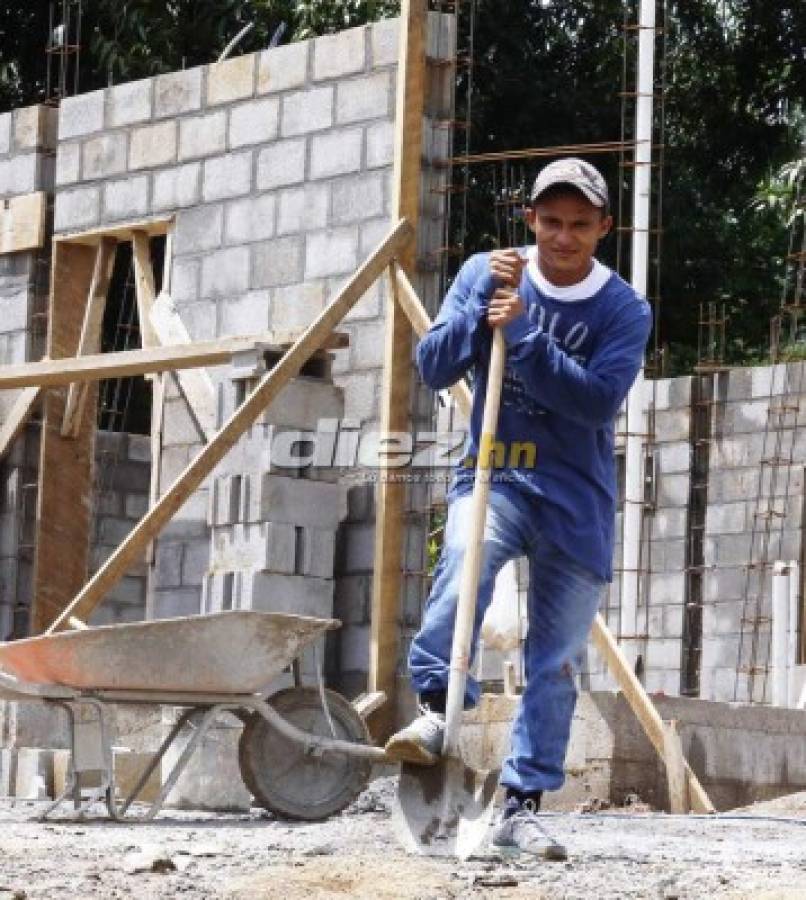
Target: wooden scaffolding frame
point(81, 269)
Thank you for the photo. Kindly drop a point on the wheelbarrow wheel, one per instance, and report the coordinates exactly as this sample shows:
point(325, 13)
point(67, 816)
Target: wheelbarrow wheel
point(287, 781)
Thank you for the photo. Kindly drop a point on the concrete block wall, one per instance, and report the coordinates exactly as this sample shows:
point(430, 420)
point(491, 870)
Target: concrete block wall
point(277, 167)
point(121, 484)
point(27, 145)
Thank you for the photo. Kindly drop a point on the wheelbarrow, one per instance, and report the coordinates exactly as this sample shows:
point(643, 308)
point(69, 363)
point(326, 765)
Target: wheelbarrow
point(304, 753)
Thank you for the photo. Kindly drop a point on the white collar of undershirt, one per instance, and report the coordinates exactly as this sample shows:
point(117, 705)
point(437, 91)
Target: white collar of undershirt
point(593, 282)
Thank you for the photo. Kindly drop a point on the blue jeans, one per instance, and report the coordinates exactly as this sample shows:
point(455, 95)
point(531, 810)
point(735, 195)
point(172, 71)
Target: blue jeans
point(562, 603)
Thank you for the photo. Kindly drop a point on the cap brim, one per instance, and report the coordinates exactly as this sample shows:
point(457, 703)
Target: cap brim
point(592, 196)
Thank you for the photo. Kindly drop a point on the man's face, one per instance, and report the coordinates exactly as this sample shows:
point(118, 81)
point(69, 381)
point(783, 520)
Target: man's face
point(567, 228)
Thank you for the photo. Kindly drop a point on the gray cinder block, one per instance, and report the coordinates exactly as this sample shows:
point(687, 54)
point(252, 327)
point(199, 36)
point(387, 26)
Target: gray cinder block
point(225, 272)
point(306, 111)
point(227, 176)
point(250, 219)
point(332, 252)
point(283, 68)
point(68, 162)
point(177, 187)
point(81, 114)
point(384, 37)
point(339, 54)
point(152, 145)
point(126, 198)
point(202, 135)
point(129, 103)
point(199, 229)
point(336, 153)
point(255, 122)
point(358, 197)
point(177, 92)
point(233, 79)
point(368, 97)
point(303, 208)
point(277, 262)
point(380, 144)
point(280, 164)
point(77, 208)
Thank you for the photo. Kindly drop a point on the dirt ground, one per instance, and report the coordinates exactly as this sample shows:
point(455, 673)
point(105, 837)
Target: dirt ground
point(758, 853)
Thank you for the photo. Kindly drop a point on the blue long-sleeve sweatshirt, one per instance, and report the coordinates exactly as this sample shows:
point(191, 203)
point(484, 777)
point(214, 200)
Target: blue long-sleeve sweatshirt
point(569, 367)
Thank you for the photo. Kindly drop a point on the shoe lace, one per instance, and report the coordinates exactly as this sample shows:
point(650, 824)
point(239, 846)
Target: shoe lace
point(528, 819)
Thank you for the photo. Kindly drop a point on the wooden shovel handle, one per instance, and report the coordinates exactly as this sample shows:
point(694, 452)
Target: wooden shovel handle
point(468, 589)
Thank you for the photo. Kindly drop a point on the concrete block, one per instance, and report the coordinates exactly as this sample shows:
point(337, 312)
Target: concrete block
point(303, 208)
point(212, 779)
point(195, 563)
point(177, 187)
point(352, 597)
point(136, 505)
point(295, 500)
point(20, 174)
point(13, 316)
point(126, 198)
point(361, 396)
point(227, 176)
point(675, 457)
point(129, 591)
point(225, 272)
point(256, 122)
point(729, 485)
point(669, 523)
point(358, 197)
point(168, 564)
point(68, 162)
point(177, 92)
point(185, 279)
point(81, 114)
point(368, 307)
point(765, 381)
point(34, 128)
point(8, 772)
point(199, 229)
point(303, 402)
point(5, 133)
point(380, 144)
point(331, 252)
point(336, 153)
point(233, 79)
point(356, 549)
point(672, 425)
point(354, 643)
point(384, 37)
point(201, 319)
point(177, 603)
point(203, 135)
point(268, 546)
point(339, 54)
point(280, 164)
point(277, 262)
point(662, 681)
point(726, 518)
point(283, 68)
point(245, 314)
point(34, 775)
point(129, 103)
point(315, 552)
point(296, 594)
point(742, 450)
point(307, 111)
point(368, 97)
point(250, 219)
point(152, 145)
point(366, 345)
point(77, 208)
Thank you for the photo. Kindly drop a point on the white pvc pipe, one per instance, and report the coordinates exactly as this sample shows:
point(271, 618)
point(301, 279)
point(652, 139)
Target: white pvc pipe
point(636, 412)
point(780, 637)
point(792, 635)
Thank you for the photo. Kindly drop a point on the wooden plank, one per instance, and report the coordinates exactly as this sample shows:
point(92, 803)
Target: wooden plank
point(633, 690)
point(675, 769)
point(396, 392)
point(642, 706)
point(270, 385)
point(196, 386)
point(366, 704)
point(64, 498)
point(90, 340)
point(122, 232)
point(144, 289)
point(22, 222)
point(122, 363)
point(17, 417)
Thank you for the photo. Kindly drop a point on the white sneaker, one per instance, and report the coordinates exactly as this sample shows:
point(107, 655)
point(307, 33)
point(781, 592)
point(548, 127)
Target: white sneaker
point(421, 741)
point(522, 832)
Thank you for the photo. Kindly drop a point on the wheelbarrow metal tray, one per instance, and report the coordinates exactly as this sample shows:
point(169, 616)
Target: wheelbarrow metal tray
point(236, 652)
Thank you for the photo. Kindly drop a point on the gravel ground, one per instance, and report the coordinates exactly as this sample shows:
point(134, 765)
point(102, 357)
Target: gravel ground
point(759, 853)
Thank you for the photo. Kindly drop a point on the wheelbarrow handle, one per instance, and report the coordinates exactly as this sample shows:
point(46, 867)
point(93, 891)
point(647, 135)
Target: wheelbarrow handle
point(474, 548)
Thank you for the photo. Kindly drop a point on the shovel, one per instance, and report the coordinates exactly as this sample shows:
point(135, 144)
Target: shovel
point(445, 809)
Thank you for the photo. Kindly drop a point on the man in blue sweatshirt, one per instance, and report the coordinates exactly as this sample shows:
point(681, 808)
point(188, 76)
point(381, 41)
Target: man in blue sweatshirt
point(575, 335)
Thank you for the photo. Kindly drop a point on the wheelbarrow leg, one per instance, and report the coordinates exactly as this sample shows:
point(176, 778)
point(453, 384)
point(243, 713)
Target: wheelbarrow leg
point(155, 760)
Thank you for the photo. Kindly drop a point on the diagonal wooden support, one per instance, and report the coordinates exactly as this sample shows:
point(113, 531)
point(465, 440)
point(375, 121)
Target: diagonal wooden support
point(631, 687)
point(90, 340)
point(144, 289)
point(270, 385)
point(17, 417)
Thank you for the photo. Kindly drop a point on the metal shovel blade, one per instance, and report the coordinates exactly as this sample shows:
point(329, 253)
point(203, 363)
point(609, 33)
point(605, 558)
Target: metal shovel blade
point(444, 809)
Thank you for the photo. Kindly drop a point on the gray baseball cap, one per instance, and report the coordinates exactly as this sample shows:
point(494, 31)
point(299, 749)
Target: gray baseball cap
point(578, 174)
